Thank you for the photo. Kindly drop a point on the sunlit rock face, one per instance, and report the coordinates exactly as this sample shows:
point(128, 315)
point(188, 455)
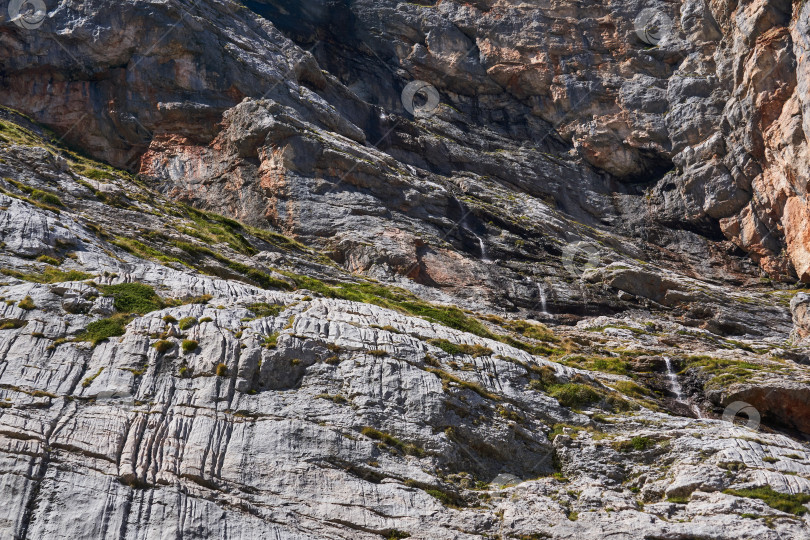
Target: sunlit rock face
point(245, 326)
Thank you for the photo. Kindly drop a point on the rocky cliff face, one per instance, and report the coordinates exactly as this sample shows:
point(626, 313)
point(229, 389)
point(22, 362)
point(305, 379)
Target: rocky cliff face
point(701, 136)
point(631, 175)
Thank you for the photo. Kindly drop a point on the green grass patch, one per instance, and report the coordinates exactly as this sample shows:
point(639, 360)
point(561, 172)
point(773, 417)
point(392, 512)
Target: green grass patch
point(632, 389)
point(263, 309)
point(447, 379)
point(461, 348)
point(220, 229)
point(12, 324)
point(48, 275)
point(393, 442)
point(133, 297)
point(139, 249)
point(440, 496)
point(575, 395)
point(724, 372)
point(14, 133)
point(276, 239)
point(47, 259)
point(256, 276)
point(604, 364)
point(99, 331)
point(89, 380)
point(271, 341)
point(792, 504)
point(636, 443)
point(36, 195)
point(221, 370)
point(93, 173)
point(189, 346)
point(340, 400)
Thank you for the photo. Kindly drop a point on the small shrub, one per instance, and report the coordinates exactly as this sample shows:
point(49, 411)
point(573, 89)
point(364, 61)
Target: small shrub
point(271, 341)
point(49, 260)
point(184, 372)
point(169, 319)
point(187, 322)
point(636, 443)
point(189, 346)
point(221, 370)
point(163, 345)
point(205, 320)
point(46, 198)
point(575, 395)
point(377, 352)
point(27, 304)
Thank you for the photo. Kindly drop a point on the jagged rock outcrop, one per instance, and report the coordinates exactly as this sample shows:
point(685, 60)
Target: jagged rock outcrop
point(705, 132)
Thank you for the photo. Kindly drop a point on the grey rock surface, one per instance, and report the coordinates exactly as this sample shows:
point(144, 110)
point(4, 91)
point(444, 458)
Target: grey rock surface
point(265, 405)
point(562, 304)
